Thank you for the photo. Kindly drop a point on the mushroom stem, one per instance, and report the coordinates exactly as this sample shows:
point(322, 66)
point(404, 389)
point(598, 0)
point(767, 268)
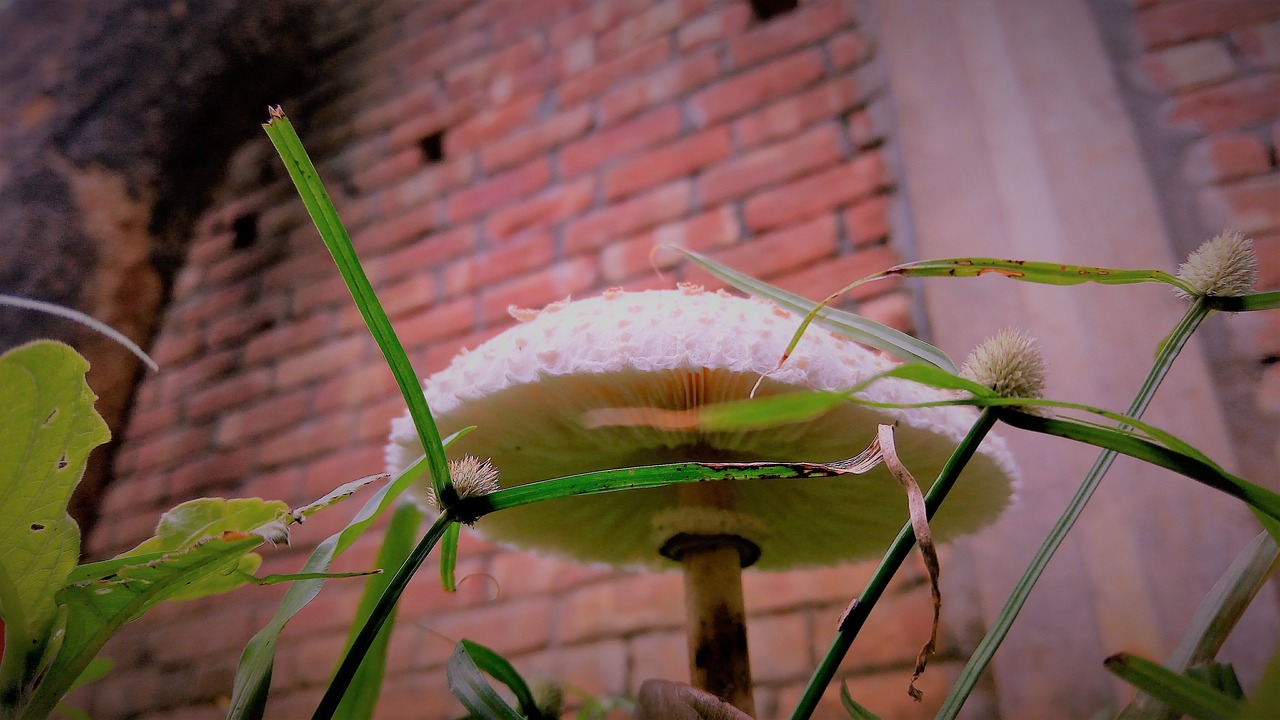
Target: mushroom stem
point(715, 615)
point(716, 622)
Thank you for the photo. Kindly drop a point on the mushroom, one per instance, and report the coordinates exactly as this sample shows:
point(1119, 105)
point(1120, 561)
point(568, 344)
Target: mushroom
point(600, 383)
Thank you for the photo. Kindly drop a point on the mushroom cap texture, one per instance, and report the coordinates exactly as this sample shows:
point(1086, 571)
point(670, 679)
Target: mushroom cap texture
point(528, 390)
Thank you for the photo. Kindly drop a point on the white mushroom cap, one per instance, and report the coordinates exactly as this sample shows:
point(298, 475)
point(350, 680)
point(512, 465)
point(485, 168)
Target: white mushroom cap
point(528, 390)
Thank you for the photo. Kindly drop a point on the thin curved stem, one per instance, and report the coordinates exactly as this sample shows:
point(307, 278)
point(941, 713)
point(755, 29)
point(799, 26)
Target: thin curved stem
point(1167, 353)
point(902, 544)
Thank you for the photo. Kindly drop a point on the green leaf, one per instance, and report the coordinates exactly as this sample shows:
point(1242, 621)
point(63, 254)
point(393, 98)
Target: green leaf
point(96, 609)
point(846, 324)
point(504, 672)
point(473, 690)
point(851, 706)
point(48, 428)
point(1038, 272)
point(337, 495)
point(253, 674)
point(1266, 695)
point(335, 238)
point(449, 558)
point(402, 532)
point(1245, 303)
point(1184, 694)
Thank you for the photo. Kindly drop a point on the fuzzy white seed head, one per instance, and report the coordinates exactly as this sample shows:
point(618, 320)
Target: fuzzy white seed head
point(1225, 266)
point(472, 477)
point(1009, 363)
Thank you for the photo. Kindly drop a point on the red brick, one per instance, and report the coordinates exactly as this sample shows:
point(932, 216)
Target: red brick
point(420, 258)
point(673, 80)
point(717, 25)
point(883, 692)
point(327, 359)
point(170, 449)
point(522, 574)
point(595, 19)
point(180, 381)
point(557, 204)
point(557, 282)
point(783, 250)
point(318, 294)
point(263, 416)
point(226, 394)
point(277, 341)
point(654, 21)
point(1169, 23)
point(1267, 248)
point(474, 75)
point(811, 151)
point(848, 49)
point(429, 184)
point(597, 668)
point(1248, 206)
point(522, 18)
point(775, 654)
point(399, 230)
point(433, 116)
point(626, 605)
point(660, 655)
point(1225, 157)
point(499, 189)
point(294, 272)
point(895, 310)
point(322, 476)
point(1195, 63)
point(442, 321)
point(457, 49)
point(596, 79)
point(668, 163)
point(803, 26)
point(757, 87)
point(358, 385)
point(374, 420)
point(315, 438)
point(1258, 46)
point(867, 127)
point(817, 193)
point(536, 139)
point(645, 131)
point(233, 328)
point(517, 257)
point(868, 221)
point(210, 304)
point(405, 296)
point(174, 346)
point(144, 421)
point(628, 217)
point(787, 117)
point(509, 628)
point(210, 473)
point(390, 168)
point(824, 278)
point(490, 125)
point(1229, 105)
point(648, 252)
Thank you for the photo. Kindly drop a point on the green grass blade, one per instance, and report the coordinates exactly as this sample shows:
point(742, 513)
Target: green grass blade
point(473, 690)
point(1037, 272)
point(320, 207)
point(253, 675)
point(382, 610)
point(854, 327)
point(986, 649)
point(360, 703)
point(853, 707)
point(449, 559)
point(1184, 694)
point(1245, 303)
point(504, 672)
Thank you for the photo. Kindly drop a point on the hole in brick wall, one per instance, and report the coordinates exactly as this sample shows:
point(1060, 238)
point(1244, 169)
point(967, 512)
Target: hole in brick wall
point(769, 9)
point(245, 229)
point(433, 147)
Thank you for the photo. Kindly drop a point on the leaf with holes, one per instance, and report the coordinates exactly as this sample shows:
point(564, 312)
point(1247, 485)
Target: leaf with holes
point(47, 428)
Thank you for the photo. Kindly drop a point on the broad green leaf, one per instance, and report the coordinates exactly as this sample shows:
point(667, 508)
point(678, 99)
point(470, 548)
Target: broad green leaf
point(1185, 694)
point(197, 520)
point(851, 706)
point(48, 426)
point(1038, 272)
point(1245, 303)
point(846, 324)
point(402, 532)
point(96, 609)
point(473, 690)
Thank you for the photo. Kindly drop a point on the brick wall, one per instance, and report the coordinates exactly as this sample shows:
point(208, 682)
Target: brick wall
point(1209, 72)
point(485, 154)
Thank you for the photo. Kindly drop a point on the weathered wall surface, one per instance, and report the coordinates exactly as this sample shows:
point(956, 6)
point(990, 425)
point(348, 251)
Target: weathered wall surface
point(485, 155)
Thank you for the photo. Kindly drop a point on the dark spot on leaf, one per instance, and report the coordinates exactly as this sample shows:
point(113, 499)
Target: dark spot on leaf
point(37, 527)
point(62, 462)
point(49, 420)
